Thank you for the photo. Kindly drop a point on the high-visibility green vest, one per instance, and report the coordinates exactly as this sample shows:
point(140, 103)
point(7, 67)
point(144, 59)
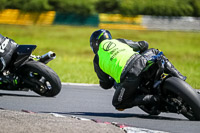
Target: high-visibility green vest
point(113, 56)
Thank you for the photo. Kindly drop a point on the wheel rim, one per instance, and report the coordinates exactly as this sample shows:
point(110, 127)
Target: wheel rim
point(42, 83)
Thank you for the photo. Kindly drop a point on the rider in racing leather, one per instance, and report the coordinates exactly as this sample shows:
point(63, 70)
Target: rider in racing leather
point(119, 63)
point(7, 48)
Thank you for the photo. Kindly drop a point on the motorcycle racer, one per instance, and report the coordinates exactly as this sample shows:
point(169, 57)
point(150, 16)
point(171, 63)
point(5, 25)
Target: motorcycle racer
point(7, 48)
point(120, 63)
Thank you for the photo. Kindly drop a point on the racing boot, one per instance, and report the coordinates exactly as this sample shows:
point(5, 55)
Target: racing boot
point(170, 69)
point(146, 100)
point(148, 103)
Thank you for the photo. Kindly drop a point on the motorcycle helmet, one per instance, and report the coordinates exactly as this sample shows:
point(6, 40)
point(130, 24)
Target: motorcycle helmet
point(97, 37)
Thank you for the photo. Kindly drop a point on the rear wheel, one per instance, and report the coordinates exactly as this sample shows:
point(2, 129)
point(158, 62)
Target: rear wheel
point(41, 79)
point(183, 96)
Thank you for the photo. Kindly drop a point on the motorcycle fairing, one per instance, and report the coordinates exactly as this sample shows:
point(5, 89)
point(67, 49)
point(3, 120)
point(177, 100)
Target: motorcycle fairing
point(22, 54)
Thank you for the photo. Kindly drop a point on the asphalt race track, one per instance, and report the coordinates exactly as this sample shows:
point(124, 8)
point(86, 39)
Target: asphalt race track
point(90, 101)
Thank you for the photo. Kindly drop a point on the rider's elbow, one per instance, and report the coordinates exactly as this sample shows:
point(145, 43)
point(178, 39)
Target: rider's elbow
point(106, 85)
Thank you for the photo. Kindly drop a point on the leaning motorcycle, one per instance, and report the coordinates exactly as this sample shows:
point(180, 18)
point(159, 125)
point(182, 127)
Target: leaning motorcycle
point(175, 95)
point(30, 72)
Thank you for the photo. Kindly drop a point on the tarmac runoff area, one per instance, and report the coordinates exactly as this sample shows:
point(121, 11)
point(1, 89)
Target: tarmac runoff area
point(30, 122)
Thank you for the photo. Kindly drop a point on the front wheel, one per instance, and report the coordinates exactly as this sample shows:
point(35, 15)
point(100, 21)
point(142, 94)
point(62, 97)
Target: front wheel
point(40, 78)
point(183, 96)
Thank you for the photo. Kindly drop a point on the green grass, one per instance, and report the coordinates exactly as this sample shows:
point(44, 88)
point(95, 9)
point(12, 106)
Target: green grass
point(74, 56)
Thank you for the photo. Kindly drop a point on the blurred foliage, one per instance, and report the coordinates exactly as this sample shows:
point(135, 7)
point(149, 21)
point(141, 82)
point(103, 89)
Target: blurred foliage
point(82, 7)
point(29, 5)
point(3, 4)
point(196, 7)
point(108, 6)
point(125, 7)
point(158, 7)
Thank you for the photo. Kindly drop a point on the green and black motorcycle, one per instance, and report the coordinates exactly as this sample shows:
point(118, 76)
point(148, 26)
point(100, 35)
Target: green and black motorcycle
point(175, 95)
point(30, 72)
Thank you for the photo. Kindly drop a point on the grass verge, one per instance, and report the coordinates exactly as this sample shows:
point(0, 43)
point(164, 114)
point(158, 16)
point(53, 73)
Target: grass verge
point(74, 56)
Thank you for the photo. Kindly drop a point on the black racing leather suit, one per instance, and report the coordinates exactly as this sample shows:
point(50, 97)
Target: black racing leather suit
point(7, 48)
point(125, 90)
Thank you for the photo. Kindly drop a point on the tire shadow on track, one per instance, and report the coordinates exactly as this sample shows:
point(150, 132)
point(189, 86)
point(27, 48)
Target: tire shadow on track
point(118, 115)
point(17, 95)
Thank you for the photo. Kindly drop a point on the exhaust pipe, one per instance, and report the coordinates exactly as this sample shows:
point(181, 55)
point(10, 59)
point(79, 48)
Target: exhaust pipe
point(47, 57)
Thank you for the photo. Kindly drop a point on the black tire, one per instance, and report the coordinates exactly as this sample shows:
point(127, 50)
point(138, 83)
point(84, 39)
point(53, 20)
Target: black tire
point(47, 81)
point(188, 95)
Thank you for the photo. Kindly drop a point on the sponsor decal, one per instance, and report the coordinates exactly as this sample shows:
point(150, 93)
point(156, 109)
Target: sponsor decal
point(110, 46)
point(3, 45)
point(120, 98)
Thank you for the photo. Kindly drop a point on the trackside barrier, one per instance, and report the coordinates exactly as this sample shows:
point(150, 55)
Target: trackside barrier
point(103, 21)
point(117, 21)
point(107, 21)
point(14, 16)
